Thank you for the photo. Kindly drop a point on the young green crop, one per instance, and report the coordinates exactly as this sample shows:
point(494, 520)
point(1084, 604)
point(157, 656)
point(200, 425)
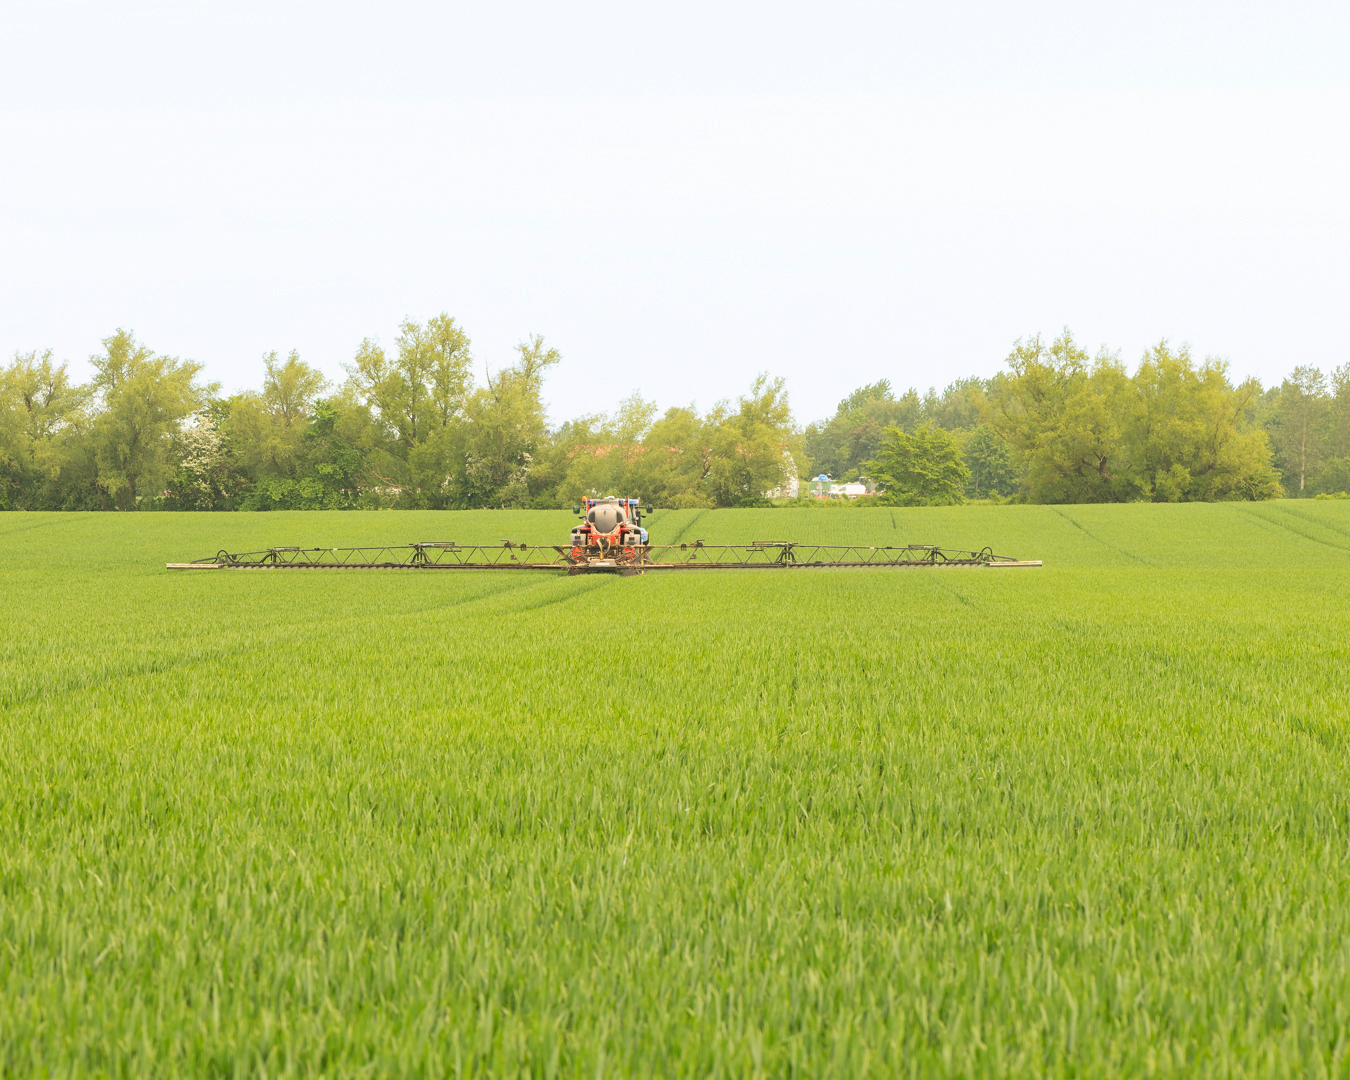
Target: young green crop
point(1087, 819)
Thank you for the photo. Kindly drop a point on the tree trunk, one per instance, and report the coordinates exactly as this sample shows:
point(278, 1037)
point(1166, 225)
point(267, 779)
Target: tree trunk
point(1303, 453)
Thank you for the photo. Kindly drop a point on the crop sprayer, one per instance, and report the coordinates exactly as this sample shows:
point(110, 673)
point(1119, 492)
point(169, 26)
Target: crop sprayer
point(610, 539)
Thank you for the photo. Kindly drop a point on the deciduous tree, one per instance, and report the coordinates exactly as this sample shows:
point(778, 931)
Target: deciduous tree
point(40, 410)
point(750, 450)
point(1065, 417)
point(676, 457)
point(1189, 440)
point(506, 425)
point(920, 468)
point(1303, 425)
point(990, 462)
point(143, 398)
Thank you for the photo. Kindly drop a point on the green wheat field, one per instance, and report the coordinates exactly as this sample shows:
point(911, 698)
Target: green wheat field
point(1086, 820)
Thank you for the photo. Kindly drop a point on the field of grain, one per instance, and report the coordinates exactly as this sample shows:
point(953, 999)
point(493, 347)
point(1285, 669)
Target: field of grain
point(1090, 819)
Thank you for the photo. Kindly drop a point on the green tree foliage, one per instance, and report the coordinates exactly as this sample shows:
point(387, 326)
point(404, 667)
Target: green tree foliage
point(596, 455)
point(990, 462)
point(40, 409)
point(1334, 475)
point(266, 431)
point(750, 449)
point(920, 468)
point(203, 477)
point(506, 425)
point(1189, 442)
point(1085, 431)
point(1303, 426)
point(731, 456)
point(1340, 411)
point(290, 389)
point(839, 446)
point(143, 399)
point(960, 407)
point(409, 428)
point(334, 464)
point(419, 399)
point(1064, 416)
point(338, 445)
point(675, 461)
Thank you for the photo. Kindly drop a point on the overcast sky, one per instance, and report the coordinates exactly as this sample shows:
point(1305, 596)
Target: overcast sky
point(679, 198)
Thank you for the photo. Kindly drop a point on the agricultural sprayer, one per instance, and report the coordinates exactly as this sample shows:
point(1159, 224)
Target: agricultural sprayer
point(609, 539)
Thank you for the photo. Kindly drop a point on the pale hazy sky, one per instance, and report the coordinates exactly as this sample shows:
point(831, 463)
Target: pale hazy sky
point(679, 197)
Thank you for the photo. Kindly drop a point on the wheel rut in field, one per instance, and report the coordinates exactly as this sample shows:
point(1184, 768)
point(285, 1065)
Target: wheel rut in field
point(687, 526)
point(583, 588)
point(1105, 543)
point(111, 674)
point(960, 596)
point(1301, 534)
point(115, 673)
point(1291, 512)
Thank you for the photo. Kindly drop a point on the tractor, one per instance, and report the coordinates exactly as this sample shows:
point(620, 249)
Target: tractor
point(610, 528)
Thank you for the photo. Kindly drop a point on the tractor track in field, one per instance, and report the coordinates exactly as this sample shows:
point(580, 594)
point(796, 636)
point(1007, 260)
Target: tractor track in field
point(584, 588)
point(956, 593)
point(112, 675)
point(1291, 512)
point(1298, 532)
point(49, 523)
point(124, 672)
point(1104, 543)
point(687, 526)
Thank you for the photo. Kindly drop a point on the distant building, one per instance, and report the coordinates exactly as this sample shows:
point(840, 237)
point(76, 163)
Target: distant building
point(822, 487)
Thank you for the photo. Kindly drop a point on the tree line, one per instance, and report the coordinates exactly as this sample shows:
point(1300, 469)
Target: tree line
point(1061, 426)
point(411, 427)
